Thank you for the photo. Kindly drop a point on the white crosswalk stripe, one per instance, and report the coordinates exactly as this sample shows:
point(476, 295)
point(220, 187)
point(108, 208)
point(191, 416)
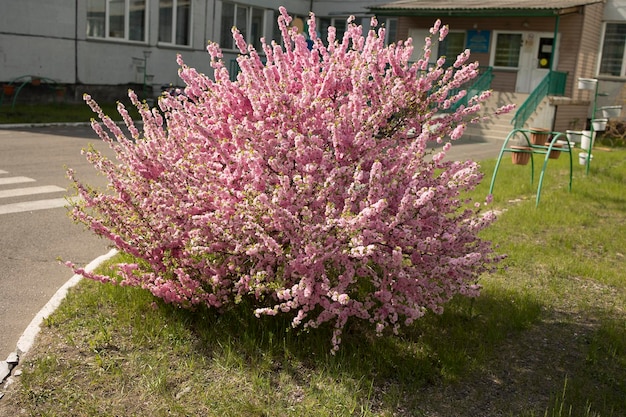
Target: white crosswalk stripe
point(33, 205)
point(21, 206)
point(15, 180)
point(17, 192)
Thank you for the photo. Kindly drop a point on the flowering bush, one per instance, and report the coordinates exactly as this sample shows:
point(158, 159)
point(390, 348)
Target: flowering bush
point(306, 184)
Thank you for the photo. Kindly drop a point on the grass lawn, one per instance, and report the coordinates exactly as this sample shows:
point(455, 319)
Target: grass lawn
point(57, 112)
point(547, 337)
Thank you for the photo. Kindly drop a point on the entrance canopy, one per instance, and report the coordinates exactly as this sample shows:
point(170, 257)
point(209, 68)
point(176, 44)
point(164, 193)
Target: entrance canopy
point(481, 8)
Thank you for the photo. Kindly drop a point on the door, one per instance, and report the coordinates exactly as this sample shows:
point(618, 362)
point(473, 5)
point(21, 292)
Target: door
point(535, 60)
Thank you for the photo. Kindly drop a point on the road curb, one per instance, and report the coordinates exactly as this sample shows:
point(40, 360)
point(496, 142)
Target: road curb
point(27, 339)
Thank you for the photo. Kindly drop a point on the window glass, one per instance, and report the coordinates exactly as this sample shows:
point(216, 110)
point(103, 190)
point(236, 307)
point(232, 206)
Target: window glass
point(612, 60)
point(228, 21)
point(507, 50)
point(166, 18)
point(250, 21)
point(256, 28)
point(241, 20)
point(116, 18)
point(137, 20)
point(96, 15)
point(452, 46)
point(183, 22)
point(338, 23)
point(392, 30)
point(175, 21)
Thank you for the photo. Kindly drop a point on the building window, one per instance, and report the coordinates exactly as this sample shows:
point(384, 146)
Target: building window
point(452, 46)
point(507, 51)
point(612, 60)
point(340, 24)
point(175, 22)
point(249, 20)
point(117, 19)
point(391, 34)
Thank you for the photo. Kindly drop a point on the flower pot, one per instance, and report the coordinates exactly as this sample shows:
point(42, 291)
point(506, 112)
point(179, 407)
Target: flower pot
point(539, 136)
point(8, 89)
point(582, 158)
point(574, 135)
point(520, 155)
point(554, 154)
point(587, 140)
point(599, 124)
point(611, 111)
point(587, 83)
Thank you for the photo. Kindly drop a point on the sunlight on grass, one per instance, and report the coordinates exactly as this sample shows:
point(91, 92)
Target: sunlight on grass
point(554, 312)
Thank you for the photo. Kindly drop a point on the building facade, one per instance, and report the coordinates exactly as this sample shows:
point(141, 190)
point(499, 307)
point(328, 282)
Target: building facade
point(104, 46)
point(522, 41)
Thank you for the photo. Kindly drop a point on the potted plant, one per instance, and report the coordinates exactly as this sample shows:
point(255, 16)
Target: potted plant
point(8, 89)
point(587, 83)
point(554, 153)
point(587, 140)
point(599, 124)
point(520, 155)
point(539, 135)
point(573, 134)
point(611, 111)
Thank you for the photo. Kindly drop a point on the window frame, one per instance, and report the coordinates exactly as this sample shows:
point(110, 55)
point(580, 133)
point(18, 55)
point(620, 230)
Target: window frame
point(250, 37)
point(174, 26)
point(494, 49)
point(127, 28)
point(450, 59)
point(622, 73)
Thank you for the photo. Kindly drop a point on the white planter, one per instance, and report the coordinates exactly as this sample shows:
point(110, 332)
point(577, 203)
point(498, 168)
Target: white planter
point(574, 135)
point(587, 83)
point(582, 158)
point(586, 142)
point(611, 111)
point(599, 124)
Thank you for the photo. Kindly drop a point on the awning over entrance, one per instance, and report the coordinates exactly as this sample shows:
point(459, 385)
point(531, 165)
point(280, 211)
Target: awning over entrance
point(481, 8)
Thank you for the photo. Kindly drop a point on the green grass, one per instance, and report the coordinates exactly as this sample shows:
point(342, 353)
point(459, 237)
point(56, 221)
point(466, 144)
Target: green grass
point(547, 337)
point(57, 113)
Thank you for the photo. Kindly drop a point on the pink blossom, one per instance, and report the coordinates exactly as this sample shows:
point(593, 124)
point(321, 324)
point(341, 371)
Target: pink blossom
point(306, 184)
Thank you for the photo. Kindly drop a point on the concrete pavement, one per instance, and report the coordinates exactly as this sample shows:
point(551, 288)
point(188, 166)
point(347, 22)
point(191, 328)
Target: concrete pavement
point(35, 230)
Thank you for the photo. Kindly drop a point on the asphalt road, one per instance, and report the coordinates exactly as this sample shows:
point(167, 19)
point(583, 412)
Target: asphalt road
point(35, 229)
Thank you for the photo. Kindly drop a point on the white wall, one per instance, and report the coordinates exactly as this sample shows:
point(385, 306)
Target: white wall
point(37, 38)
point(45, 38)
point(615, 10)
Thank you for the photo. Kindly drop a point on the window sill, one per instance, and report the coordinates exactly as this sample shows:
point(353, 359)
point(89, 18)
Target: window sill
point(166, 45)
point(116, 40)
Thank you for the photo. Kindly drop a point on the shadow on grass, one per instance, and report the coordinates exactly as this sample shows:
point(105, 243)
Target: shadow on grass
point(436, 349)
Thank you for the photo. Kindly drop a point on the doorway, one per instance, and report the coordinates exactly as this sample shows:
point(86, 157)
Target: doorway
point(527, 53)
point(535, 60)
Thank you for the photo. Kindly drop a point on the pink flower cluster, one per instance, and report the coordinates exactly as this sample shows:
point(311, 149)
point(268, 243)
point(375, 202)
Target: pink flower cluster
point(306, 184)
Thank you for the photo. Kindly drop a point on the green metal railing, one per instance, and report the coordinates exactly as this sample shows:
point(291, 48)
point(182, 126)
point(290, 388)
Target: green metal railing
point(474, 87)
point(552, 84)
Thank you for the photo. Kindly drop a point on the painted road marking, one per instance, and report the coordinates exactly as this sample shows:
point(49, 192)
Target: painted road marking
point(3, 172)
point(15, 180)
point(35, 205)
point(17, 192)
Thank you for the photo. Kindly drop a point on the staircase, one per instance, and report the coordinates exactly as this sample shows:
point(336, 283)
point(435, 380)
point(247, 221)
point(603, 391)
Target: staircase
point(498, 127)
